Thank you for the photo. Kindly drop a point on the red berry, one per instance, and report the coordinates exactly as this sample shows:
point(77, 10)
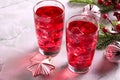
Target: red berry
point(100, 2)
point(118, 6)
point(107, 3)
point(118, 28)
point(115, 14)
point(118, 16)
point(104, 29)
point(104, 16)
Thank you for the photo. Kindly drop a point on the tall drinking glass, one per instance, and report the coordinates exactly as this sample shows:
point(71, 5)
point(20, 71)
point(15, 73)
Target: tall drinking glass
point(49, 22)
point(81, 39)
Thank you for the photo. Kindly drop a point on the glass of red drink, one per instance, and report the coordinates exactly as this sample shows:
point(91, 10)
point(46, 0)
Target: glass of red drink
point(49, 23)
point(81, 40)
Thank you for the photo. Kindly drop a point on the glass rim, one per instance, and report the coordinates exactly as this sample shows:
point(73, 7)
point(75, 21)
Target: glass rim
point(49, 0)
point(87, 21)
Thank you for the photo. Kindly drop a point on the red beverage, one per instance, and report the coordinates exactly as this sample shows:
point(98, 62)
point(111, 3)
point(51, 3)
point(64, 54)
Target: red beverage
point(49, 28)
point(81, 42)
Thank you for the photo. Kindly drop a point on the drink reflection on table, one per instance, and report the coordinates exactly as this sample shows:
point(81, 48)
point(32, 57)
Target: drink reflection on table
point(1, 64)
point(15, 69)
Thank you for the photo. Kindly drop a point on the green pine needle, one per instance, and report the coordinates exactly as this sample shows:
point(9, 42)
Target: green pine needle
point(115, 23)
point(84, 1)
point(101, 25)
point(105, 40)
point(105, 9)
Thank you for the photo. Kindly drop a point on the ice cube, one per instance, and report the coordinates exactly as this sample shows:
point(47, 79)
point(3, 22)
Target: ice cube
point(76, 31)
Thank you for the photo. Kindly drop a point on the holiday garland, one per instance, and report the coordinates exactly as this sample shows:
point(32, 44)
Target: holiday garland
point(106, 36)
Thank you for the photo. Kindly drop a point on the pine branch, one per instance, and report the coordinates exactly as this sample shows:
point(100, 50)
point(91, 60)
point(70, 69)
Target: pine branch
point(105, 40)
point(105, 9)
point(84, 1)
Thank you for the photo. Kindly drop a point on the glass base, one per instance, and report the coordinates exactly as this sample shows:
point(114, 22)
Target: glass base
point(73, 69)
point(52, 54)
